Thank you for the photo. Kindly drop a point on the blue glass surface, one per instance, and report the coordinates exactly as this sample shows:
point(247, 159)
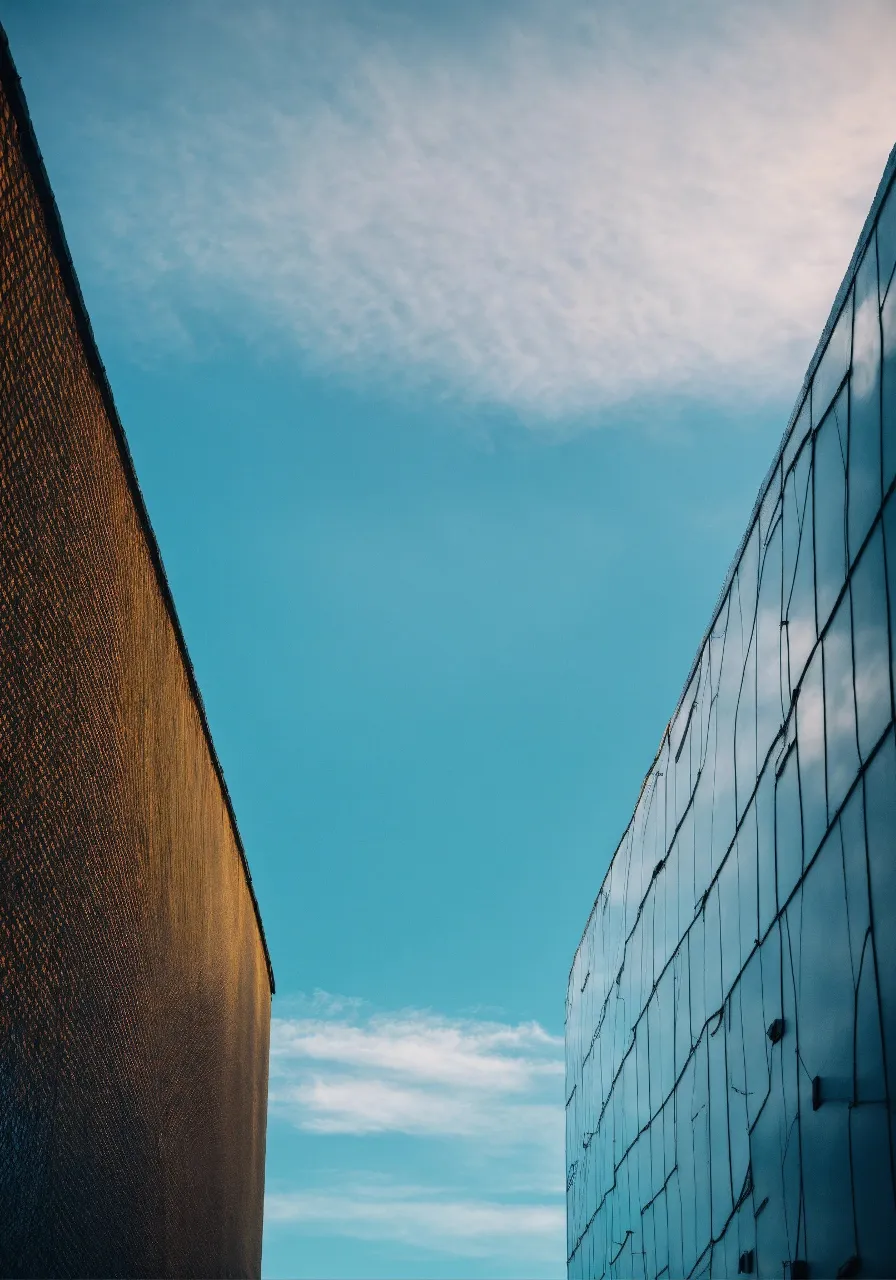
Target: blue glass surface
point(796, 438)
point(766, 1150)
point(842, 752)
point(753, 1038)
point(747, 891)
point(699, 1114)
point(889, 527)
point(880, 806)
point(799, 568)
point(872, 1189)
point(719, 1145)
point(855, 876)
point(830, 1224)
point(810, 727)
point(728, 898)
point(830, 507)
point(888, 390)
point(681, 978)
point(736, 1086)
point(770, 699)
point(788, 825)
point(864, 406)
point(834, 364)
point(684, 1149)
point(712, 952)
point(731, 1012)
point(789, 1065)
point(886, 240)
point(871, 644)
point(766, 861)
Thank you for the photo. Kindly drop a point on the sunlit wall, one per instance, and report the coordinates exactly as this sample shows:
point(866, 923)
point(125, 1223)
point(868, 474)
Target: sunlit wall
point(135, 986)
point(731, 1011)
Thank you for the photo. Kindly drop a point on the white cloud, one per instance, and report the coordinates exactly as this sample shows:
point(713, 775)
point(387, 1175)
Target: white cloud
point(479, 1100)
point(343, 1071)
point(432, 1219)
point(426, 1048)
point(577, 207)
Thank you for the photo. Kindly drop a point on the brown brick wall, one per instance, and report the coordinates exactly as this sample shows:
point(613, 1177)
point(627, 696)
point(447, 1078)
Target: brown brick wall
point(134, 983)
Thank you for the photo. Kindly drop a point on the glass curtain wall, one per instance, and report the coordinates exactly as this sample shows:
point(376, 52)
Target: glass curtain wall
point(731, 1011)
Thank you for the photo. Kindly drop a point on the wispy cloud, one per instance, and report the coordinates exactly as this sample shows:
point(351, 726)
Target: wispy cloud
point(572, 207)
point(418, 1073)
point(479, 1100)
point(380, 1210)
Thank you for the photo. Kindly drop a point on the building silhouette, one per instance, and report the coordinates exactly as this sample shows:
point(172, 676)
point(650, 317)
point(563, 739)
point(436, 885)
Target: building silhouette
point(731, 1011)
point(135, 983)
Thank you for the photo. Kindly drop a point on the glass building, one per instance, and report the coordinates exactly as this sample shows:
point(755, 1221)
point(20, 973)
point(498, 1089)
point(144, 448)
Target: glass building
point(731, 1010)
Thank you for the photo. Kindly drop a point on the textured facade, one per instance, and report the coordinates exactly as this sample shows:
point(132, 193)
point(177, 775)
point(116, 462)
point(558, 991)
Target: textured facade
point(731, 1012)
point(135, 984)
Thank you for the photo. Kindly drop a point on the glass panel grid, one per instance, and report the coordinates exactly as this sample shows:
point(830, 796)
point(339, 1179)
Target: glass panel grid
point(746, 1021)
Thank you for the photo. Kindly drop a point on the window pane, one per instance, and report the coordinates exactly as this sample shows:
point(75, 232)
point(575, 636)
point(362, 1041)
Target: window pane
point(864, 407)
point(833, 365)
point(769, 707)
point(840, 708)
point(886, 239)
point(888, 394)
point(871, 645)
point(799, 567)
point(811, 749)
point(830, 508)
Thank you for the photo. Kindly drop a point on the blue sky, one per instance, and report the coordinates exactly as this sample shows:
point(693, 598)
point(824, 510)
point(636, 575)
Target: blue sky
point(452, 343)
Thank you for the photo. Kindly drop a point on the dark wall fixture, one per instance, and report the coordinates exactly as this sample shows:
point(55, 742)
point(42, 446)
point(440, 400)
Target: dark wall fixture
point(731, 1063)
point(135, 984)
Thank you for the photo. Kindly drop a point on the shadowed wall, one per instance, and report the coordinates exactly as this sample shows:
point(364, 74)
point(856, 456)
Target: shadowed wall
point(134, 980)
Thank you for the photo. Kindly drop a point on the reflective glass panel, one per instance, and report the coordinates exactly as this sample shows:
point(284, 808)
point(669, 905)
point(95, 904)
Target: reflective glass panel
point(834, 363)
point(830, 508)
point(880, 788)
point(799, 567)
point(719, 1152)
point(765, 836)
point(700, 1127)
point(801, 428)
point(747, 888)
point(870, 644)
point(811, 751)
point(737, 1091)
point(886, 240)
point(769, 703)
point(825, 975)
point(855, 876)
point(873, 1189)
point(729, 907)
point(839, 707)
point(788, 828)
point(753, 1037)
point(864, 407)
point(731, 1018)
point(889, 523)
point(888, 391)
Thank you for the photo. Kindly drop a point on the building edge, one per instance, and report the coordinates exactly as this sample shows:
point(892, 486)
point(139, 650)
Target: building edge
point(12, 86)
point(842, 294)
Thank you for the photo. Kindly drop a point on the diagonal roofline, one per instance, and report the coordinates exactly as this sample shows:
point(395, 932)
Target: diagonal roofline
point(12, 86)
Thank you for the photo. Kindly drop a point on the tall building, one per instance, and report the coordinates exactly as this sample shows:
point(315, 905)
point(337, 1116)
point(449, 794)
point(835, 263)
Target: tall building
point(731, 1011)
point(135, 983)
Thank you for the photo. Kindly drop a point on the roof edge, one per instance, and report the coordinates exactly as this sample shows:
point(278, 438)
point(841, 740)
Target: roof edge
point(12, 85)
